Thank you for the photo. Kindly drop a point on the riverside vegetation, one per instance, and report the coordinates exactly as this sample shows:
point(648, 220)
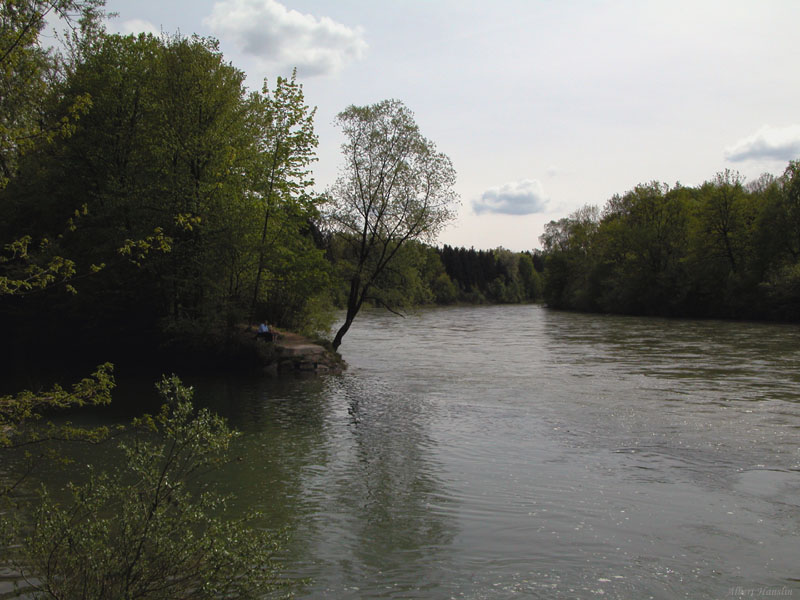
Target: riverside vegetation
point(152, 205)
point(724, 249)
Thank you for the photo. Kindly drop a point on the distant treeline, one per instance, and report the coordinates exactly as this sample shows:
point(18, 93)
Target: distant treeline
point(725, 249)
point(427, 275)
point(490, 276)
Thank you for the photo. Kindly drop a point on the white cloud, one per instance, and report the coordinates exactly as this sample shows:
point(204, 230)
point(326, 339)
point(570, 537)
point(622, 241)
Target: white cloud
point(137, 26)
point(775, 143)
point(284, 38)
point(523, 197)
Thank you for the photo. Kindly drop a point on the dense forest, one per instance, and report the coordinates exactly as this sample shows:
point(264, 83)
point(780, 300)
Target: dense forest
point(172, 199)
point(139, 190)
point(724, 249)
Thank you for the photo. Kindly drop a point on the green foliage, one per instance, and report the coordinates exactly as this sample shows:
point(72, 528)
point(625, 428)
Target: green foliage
point(21, 275)
point(723, 249)
point(530, 280)
point(287, 142)
point(782, 288)
point(27, 74)
point(192, 196)
point(642, 240)
point(444, 290)
point(422, 275)
point(296, 281)
point(19, 411)
point(150, 530)
point(149, 151)
point(27, 70)
point(567, 259)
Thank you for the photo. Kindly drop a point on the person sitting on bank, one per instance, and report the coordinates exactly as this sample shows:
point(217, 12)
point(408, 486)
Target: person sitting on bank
point(265, 332)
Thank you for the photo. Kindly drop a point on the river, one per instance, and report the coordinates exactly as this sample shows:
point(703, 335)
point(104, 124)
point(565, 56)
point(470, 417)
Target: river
point(512, 451)
point(517, 452)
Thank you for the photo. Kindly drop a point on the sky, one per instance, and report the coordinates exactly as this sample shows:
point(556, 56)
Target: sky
point(542, 105)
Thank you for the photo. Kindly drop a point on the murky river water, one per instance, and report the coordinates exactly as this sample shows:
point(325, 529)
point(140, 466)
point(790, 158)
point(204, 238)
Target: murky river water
point(516, 452)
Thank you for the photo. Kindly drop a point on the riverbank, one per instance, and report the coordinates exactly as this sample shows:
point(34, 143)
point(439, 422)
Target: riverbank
point(184, 351)
point(293, 352)
point(239, 349)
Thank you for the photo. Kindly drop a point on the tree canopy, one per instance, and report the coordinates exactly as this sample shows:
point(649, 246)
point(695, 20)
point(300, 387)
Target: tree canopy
point(724, 249)
point(174, 160)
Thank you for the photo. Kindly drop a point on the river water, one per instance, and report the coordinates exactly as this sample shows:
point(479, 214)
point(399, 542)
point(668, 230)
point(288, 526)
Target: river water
point(517, 452)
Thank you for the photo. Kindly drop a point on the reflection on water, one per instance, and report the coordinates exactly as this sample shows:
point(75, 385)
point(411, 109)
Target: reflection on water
point(350, 470)
point(498, 452)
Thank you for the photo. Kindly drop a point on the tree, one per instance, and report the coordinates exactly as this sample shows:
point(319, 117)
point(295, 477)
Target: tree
point(287, 142)
point(173, 142)
point(529, 277)
point(779, 242)
point(198, 157)
point(149, 530)
point(719, 235)
point(28, 76)
point(169, 144)
point(640, 250)
point(569, 259)
point(719, 216)
point(27, 71)
point(394, 187)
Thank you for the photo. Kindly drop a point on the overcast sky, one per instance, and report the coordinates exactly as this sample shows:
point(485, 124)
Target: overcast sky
point(543, 106)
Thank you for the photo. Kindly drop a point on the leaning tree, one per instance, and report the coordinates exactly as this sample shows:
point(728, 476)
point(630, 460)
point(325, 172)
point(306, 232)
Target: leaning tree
point(393, 188)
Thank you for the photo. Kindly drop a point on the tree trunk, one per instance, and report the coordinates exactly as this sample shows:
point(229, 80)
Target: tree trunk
point(337, 341)
point(267, 211)
point(260, 270)
point(354, 301)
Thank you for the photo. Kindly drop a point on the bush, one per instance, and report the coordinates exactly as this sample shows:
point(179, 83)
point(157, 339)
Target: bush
point(146, 530)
